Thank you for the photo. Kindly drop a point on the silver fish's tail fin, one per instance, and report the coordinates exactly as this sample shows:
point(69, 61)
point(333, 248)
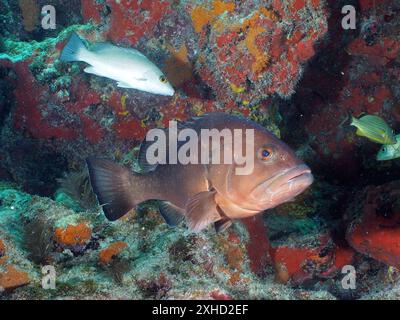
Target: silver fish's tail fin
point(113, 187)
point(74, 50)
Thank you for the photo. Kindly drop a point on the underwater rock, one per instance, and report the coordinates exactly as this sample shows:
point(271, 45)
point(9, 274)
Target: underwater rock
point(3, 257)
point(77, 115)
point(355, 72)
point(107, 254)
point(375, 230)
point(252, 50)
point(310, 257)
point(258, 246)
point(73, 235)
point(13, 278)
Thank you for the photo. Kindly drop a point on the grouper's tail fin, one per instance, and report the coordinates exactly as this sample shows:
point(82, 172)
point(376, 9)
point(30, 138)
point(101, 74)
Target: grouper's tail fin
point(112, 185)
point(74, 50)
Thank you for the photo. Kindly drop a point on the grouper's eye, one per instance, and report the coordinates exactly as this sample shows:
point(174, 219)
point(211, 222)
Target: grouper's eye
point(266, 153)
point(163, 79)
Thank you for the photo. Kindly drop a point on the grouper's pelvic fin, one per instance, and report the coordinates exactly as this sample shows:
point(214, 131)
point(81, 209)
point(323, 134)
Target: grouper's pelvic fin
point(112, 185)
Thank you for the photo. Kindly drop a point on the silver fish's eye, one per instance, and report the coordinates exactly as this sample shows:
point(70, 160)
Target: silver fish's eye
point(163, 79)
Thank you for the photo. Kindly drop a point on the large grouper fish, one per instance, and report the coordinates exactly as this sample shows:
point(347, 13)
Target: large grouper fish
point(204, 194)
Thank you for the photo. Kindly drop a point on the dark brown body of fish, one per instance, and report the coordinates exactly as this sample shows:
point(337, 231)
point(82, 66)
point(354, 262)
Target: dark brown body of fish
point(206, 193)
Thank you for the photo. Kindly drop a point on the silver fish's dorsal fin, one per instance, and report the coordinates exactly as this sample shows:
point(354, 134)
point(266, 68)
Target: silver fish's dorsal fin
point(172, 214)
point(102, 46)
point(106, 46)
point(133, 51)
point(201, 210)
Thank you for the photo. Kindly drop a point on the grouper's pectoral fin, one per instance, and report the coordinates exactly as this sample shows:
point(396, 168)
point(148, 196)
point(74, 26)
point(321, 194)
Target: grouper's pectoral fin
point(201, 210)
point(172, 214)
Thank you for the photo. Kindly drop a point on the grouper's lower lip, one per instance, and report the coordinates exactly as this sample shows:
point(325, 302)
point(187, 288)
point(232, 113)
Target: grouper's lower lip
point(294, 175)
point(301, 174)
point(284, 185)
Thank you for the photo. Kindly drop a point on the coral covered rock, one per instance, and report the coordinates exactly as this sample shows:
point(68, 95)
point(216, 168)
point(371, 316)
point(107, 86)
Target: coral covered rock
point(107, 254)
point(73, 235)
point(13, 278)
point(252, 50)
point(375, 232)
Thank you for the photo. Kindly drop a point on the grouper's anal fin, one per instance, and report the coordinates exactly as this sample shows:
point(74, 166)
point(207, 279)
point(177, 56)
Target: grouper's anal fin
point(222, 225)
point(171, 213)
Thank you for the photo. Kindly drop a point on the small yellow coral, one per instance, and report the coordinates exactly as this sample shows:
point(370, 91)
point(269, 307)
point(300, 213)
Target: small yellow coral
point(237, 89)
point(202, 16)
point(220, 7)
point(269, 13)
point(253, 30)
point(124, 112)
point(143, 122)
point(261, 58)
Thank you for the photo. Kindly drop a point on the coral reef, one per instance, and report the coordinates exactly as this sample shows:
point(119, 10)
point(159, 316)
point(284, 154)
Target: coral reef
point(288, 65)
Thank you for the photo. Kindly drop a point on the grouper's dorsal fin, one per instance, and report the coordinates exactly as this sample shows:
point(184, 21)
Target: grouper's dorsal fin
point(201, 210)
point(143, 162)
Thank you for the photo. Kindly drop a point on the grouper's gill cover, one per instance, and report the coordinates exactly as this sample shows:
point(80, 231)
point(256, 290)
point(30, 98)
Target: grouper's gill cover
point(206, 194)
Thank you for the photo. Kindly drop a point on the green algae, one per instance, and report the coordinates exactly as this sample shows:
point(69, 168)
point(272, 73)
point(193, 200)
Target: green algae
point(17, 51)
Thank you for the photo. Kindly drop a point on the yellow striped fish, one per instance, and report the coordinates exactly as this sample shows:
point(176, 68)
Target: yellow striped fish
point(374, 128)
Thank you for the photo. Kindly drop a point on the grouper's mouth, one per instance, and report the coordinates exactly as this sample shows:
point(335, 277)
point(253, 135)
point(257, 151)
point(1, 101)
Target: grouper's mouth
point(298, 174)
point(283, 186)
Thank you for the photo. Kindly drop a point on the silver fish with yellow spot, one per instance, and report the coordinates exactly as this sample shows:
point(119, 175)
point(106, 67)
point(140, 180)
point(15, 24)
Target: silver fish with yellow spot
point(390, 151)
point(374, 128)
point(129, 67)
